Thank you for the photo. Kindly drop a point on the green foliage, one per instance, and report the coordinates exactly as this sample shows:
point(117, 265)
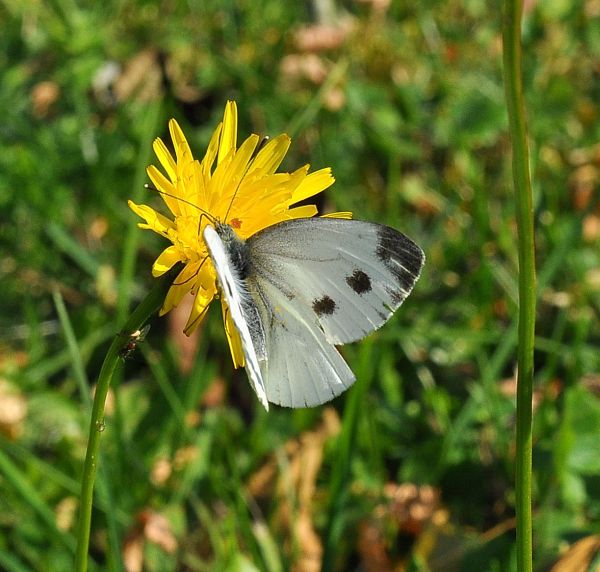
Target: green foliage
point(414, 127)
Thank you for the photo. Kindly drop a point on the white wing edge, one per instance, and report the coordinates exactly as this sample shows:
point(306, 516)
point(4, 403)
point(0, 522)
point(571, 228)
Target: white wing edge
point(230, 286)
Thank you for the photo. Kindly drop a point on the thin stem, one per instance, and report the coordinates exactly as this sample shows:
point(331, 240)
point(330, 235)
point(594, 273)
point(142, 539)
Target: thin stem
point(527, 285)
point(146, 308)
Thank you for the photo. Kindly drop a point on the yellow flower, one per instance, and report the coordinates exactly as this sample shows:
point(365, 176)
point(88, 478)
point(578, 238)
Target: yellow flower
point(237, 186)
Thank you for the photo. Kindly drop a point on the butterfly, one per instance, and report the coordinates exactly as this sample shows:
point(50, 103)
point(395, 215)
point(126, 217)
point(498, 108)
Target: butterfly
point(299, 288)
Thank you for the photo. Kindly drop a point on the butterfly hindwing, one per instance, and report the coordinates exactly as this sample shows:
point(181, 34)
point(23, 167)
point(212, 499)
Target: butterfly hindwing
point(303, 368)
point(298, 288)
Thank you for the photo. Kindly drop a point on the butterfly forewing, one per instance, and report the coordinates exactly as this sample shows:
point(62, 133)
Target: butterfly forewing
point(348, 276)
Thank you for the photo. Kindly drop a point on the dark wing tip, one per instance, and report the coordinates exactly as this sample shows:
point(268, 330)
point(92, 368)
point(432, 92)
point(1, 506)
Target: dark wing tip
point(403, 258)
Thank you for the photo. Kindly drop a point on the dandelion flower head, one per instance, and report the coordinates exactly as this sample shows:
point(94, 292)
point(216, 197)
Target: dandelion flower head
point(234, 185)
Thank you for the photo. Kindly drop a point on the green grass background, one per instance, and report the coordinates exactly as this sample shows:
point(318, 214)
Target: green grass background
point(409, 112)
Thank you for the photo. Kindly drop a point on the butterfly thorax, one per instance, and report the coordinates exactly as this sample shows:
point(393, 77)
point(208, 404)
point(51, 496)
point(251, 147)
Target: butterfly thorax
point(236, 248)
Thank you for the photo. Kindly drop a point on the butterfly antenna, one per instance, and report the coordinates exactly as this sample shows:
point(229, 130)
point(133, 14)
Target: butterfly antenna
point(191, 204)
point(262, 143)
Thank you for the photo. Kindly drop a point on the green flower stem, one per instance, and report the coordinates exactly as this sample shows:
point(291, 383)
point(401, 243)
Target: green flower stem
point(527, 286)
point(146, 308)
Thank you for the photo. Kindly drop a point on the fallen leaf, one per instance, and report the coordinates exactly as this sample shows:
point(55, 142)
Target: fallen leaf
point(157, 530)
point(43, 97)
point(579, 556)
point(133, 553)
point(13, 410)
point(65, 513)
point(320, 37)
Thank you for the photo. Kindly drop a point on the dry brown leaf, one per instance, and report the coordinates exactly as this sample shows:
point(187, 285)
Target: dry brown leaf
point(583, 155)
point(311, 549)
point(43, 97)
point(181, 66)
point(584, 181)
point(141, 78)
point(334, 99)
point(261, 481)
point(161, 471)
point(65, 513)
point(157, 530)
point(214, 396)
point(297, 67)
point(411, 506)
point(97, 228)
point(304, 457)
point(591, 228)
point(372, 547)
point(405, 509)
point(13, 410)
point(320, 37)
point(579, 556)
point(133, 553)
point(185, 456)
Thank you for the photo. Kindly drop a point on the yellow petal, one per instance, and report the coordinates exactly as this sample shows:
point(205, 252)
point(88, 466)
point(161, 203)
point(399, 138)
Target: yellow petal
point(199, 311)
point(233, 337)
point(211, 152)
point(239, 165)
point(229, 132)
point(270, 156)
point(229, 174)
point(183, 284)
point(228, 184)
point(342, 214)
point(202, 197)
point(305, 211)
point(165, 189)
point(313, 184)
point(167, 259)
point(155, 221)
point(165, 158)
point(182, 149)
point(173, 297)
point(188, 187)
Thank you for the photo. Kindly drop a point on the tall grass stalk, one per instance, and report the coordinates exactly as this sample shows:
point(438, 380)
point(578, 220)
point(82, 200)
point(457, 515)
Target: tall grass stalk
point(527, 286)
point(145, 309)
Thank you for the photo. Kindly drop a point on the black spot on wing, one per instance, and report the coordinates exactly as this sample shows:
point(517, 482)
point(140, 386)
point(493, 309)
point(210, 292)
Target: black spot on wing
point(324, 305)
point(359, 282)
point(402, 257)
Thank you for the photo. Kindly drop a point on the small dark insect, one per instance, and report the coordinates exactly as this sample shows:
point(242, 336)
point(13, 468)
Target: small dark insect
point(134, 339)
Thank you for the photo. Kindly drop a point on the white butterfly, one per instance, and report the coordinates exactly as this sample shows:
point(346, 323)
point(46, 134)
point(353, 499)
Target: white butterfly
point(298, 288)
